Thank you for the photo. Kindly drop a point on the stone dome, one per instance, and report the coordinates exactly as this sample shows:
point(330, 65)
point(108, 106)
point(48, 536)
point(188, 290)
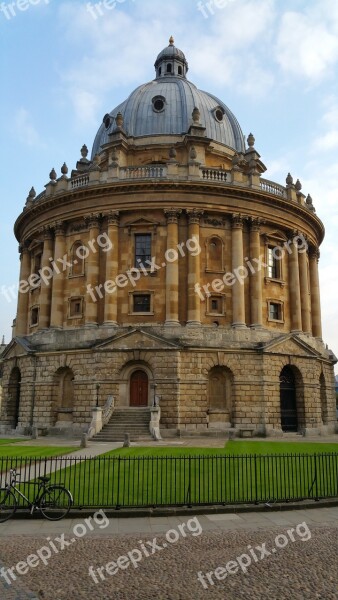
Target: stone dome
point(164, 106)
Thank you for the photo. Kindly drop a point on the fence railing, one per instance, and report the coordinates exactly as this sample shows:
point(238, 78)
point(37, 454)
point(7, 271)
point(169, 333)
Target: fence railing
point(123, 481)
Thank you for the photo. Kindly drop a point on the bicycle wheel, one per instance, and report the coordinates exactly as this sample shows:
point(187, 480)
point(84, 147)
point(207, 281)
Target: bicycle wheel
point(55, 503)
point(7, 504)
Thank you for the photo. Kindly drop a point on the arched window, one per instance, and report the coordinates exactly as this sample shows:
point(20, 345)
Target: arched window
point(169, 68)
point(78, 253)
point(214, 258)
point(180, 70)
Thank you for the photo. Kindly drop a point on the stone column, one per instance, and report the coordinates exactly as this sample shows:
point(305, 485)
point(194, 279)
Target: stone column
point(315, 293)
point(112, 265)
point(46, 284)
point(93, 272)
point(238, 298)
point(57, 308)
point(256, 277)
point(305, 292)
point(172, 279)
point(194, 270)
point(294, 286)
point(23, 295)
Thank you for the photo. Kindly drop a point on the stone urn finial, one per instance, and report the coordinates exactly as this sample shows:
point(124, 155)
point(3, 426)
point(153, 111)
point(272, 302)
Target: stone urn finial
point(251, 140)
point(309, 203)
point(171, 41)
point(119, 120)
point(64, 169)
point(289, 179)
point(84, 151)
point(196, 115)
point(53, 175)
point(298, 185)
point(32, 194)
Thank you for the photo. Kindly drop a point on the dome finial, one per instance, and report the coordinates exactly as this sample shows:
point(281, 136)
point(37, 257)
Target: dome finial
point(171, 41)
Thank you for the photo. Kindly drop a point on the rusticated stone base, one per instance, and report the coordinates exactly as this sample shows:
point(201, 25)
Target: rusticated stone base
point(180, 363)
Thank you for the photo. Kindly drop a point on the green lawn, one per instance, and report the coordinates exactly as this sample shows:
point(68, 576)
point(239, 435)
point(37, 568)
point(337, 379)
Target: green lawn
point(6, 442)
point(17, 451)
point(234, 448)
point(141, 476)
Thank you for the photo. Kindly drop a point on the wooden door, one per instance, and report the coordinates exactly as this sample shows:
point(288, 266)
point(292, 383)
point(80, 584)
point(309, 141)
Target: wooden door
point(139, 389)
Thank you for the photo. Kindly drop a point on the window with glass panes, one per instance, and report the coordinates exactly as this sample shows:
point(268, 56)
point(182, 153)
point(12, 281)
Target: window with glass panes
point(141, 303)
point(273, 264)
point(142, 248)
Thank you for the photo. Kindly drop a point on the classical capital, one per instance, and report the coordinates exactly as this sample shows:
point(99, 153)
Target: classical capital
point(92, 220)
point(256, 223)
point(237, 221)
point(113, 217)
point(314, 253)
point(172, 214)
point(194, 215)
point(59, 227)
point(23, 248)
point(47, 232)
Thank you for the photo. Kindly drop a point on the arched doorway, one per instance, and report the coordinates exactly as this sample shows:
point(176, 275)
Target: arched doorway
point(139, 388)
point(13, 406)
point(288, 400)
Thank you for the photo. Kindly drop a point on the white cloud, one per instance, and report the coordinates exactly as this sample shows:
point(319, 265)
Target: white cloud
point(119, 53)
point(326, 142)
point(25, 129)
point(306, 46)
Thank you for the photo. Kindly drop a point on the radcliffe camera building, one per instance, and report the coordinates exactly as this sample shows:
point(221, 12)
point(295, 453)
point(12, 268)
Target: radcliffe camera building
point(166, 269)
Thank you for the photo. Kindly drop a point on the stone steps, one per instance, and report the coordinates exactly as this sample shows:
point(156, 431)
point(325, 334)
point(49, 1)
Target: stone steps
point(134, 421)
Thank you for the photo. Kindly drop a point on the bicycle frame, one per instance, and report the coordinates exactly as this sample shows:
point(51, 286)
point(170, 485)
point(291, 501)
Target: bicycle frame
point(12, 486)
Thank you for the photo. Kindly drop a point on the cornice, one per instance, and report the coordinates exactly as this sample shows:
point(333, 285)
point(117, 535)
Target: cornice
point(101, 191)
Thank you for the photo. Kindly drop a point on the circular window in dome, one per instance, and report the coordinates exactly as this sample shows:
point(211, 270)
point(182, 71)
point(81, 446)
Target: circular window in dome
point(219, 114)
point(158, 103)
point(106, 121)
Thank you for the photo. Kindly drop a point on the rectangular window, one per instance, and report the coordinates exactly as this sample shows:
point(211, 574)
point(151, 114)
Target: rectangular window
point(34, 316)
point(142, 249)
point(141, 303)
point(75, 307)
point(37, 262)
point(275, 311)
point(274, 270)
point(215, 305)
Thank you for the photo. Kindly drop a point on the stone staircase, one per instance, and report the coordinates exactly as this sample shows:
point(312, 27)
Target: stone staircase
point(134, 421)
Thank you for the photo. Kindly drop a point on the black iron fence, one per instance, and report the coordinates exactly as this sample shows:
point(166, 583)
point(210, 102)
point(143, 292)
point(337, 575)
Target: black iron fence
point(118, 482)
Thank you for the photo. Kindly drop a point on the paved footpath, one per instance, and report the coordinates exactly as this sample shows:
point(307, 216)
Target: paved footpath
point(167, 563)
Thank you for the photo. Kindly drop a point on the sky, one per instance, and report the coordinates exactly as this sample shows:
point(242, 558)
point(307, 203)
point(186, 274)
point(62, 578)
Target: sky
point(66, 64)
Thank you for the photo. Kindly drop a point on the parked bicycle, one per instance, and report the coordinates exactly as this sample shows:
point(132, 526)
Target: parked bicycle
point(54, 501)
